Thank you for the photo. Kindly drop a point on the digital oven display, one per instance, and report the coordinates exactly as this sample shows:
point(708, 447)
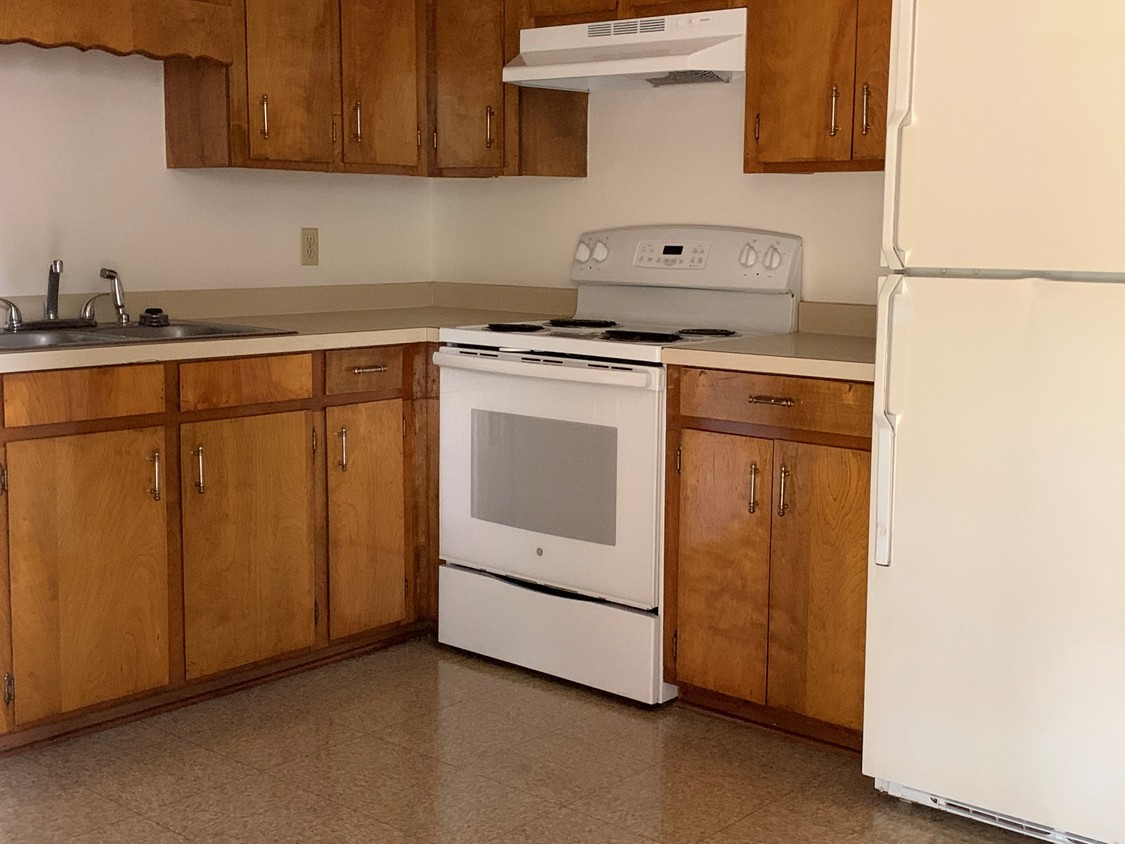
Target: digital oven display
point(669, 249)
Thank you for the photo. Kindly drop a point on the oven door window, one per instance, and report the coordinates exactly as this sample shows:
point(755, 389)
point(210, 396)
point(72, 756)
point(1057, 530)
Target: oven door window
point(548, 476)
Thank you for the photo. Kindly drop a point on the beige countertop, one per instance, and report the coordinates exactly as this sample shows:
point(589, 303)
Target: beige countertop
point(332, 330)
point(815, 355)
point(834, 356)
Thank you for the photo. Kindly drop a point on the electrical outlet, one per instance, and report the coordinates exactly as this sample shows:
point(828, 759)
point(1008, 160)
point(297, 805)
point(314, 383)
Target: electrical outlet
point(310, 247)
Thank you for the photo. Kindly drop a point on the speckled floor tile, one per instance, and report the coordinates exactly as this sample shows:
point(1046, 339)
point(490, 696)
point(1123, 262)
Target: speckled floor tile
point(564, 826)
point(37, 805)
point(136, 830)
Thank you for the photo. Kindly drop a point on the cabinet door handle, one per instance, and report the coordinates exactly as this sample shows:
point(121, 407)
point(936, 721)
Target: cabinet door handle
point(198, 452)
point(776, 401)
point(865, 124)
point(782, 504)
point(155, 491)
point(833, 128)
point(265, 101)
point(488, 126)
point(358, 108)
point(365, 370)
point(343, 461)
point(753, 506)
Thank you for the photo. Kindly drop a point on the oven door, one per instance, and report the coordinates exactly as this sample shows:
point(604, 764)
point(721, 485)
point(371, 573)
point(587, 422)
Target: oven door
point(551, 471)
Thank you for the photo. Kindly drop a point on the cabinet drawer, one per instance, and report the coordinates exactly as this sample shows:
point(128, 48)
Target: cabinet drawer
point(779, 401)
point(227, 383)
point(359, 370)
point(76, 395)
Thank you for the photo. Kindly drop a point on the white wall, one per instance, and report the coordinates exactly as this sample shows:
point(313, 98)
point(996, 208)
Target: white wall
point(82, 178)
point(670, 155)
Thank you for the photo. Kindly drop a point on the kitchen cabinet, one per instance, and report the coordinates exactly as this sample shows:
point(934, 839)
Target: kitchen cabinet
point(248, 533)
point(367, 551)
point(88, 563)
point(817, 85)
point(768, 546)
point(157, 28)
point(560, 12)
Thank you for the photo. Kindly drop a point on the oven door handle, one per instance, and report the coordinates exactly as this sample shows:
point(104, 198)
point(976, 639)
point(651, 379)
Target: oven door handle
point(646, 379)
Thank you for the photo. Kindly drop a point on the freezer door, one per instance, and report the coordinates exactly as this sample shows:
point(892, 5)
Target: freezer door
point(996, 634)
point(1005, 148)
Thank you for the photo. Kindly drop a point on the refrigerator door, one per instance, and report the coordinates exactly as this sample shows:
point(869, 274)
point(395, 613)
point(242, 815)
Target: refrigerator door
point(996, 634)
point(1005, 140)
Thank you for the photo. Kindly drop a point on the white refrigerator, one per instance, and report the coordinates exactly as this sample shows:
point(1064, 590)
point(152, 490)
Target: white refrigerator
point(995, 683)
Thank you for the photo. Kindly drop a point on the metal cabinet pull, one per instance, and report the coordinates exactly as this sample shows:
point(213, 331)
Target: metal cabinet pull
point(155, 491)
point(777, 401)
point(343, 461)
point(865, 125)
point(365, 370)
point(265, 101)
point(198, 452)
point(833, 128)
point(753, 506)
point(782, 504)
point(488, 126)
point(358, 108)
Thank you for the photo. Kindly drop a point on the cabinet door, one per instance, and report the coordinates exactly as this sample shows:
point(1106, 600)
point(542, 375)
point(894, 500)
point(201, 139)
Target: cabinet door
point(724, 552)
point(366, 518)
point(561, 12)
point(292, 74)
point(807, 76)
point(89, 570)
point(469, 39)
point(872, 68)
point(248, 527)
point(379, 44)
point(818, 582)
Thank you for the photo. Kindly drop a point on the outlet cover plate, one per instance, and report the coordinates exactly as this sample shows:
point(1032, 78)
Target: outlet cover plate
point(310, 247)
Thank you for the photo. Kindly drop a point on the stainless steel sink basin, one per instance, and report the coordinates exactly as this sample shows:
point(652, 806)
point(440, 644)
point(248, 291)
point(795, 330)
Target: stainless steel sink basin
point(12, 341)
point(185, 331)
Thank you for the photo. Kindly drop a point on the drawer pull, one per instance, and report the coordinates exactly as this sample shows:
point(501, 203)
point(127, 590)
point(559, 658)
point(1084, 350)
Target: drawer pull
point(367, 370)
point(776, 401)
point(782, 504)
point(753, 505)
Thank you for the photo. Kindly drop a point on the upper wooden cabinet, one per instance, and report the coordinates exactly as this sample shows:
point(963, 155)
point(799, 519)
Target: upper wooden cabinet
point(320, 85)
point(817, 85)
point(560, 12)
point(156, 28)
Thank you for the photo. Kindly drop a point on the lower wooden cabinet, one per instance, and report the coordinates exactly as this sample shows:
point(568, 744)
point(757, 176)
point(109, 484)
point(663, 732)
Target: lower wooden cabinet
point(248, 528)
point(367, 553)
point(89, 570)
point(769, 549)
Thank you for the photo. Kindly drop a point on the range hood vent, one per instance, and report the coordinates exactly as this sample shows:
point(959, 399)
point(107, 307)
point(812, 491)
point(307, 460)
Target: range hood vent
point(635, 53)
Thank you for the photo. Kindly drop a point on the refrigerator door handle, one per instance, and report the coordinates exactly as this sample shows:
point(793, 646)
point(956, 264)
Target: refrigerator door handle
point(898, 118)
point(884, 434)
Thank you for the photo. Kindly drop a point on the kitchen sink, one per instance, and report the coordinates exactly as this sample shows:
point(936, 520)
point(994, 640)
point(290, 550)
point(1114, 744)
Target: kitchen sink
point(184, 331)
point(12, 341)
point(112, 335)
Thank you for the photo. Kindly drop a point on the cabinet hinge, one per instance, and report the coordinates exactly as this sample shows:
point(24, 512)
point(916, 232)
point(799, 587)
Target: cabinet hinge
point(404, 427)
point(435, 140)
point(9, 689)
point(675, 645)
point(679, 460)
point(757, 127)
point(3, 480)
point(316, 613)
point(419, 137)
point(314, 440)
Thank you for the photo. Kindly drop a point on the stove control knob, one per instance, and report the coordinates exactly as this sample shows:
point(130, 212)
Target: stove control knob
point(583, 253)
point(748, 257)
point(772, 258)
point(601, 251)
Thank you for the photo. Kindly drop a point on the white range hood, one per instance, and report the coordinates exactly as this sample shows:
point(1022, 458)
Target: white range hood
point(634, 53)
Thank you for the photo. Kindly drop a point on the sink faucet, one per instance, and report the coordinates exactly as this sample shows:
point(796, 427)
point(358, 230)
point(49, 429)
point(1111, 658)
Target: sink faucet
point(51, 308)
point(15, 318)
point(116, 292)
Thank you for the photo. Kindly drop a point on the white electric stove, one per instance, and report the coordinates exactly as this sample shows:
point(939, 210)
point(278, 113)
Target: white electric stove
point(552, 443)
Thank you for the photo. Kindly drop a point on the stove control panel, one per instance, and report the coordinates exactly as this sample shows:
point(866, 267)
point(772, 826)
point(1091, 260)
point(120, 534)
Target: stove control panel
point(685, 255)
point(703, 257)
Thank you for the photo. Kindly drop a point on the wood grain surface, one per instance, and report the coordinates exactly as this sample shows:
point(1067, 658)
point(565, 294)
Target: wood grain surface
point(210, 384)
point(73, 395)
point(340, 364)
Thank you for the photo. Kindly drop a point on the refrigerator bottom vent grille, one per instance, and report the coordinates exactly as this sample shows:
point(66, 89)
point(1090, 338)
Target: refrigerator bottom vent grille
point(1046, 833)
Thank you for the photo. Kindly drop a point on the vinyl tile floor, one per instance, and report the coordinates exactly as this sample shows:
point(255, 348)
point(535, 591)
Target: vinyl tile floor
point(417, 743)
